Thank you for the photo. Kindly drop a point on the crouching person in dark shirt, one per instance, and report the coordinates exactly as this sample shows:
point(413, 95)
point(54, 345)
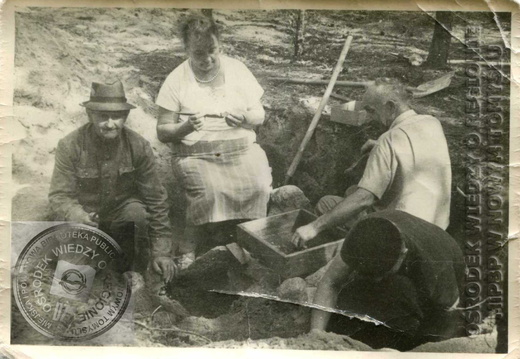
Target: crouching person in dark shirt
point(400, 271)
point(105, 176)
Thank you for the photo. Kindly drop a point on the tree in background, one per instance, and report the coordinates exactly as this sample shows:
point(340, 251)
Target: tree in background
point(208, 13)
point(299, 34)
point(440, 45)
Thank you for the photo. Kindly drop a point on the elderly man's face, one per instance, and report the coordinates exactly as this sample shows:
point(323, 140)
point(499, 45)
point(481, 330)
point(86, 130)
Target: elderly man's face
point(374, 103)
point(108, 124)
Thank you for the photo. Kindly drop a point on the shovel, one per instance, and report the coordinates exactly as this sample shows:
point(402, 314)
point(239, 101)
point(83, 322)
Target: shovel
point(432, 86)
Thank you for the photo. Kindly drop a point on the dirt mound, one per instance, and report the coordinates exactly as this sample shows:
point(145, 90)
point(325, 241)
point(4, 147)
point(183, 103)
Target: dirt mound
point(485, 343)
point(311, 341)
point(60, 53)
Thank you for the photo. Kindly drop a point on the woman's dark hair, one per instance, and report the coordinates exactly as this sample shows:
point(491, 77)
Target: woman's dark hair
point(199, 26)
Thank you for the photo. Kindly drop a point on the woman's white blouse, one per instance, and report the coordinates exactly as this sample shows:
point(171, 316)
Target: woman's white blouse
point(241, 91)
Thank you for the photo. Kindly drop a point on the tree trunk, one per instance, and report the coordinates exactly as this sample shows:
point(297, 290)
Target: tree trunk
point(440, 45)
point(299, 34)
point(208, 13)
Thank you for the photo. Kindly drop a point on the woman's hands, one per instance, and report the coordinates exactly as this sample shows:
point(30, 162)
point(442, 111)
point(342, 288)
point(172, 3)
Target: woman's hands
point(232, 119)
point(196, 121)
point(235, 119)
point(171, 129)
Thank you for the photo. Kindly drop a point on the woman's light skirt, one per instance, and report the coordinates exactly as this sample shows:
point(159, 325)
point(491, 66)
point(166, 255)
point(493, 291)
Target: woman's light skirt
point(223, 180)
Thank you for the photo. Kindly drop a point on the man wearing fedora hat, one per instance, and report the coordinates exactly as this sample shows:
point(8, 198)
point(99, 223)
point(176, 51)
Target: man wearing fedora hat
point(105, 176)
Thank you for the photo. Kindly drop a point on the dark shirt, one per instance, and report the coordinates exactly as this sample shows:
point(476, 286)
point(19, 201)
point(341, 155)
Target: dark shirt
point(434, 262)
point(92, 175)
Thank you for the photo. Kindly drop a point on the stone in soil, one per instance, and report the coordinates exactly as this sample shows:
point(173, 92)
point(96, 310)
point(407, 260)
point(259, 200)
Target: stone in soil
point(195, 285)
point(288, 198)
point(252, 318)
point(293, 290)
point(484, 343)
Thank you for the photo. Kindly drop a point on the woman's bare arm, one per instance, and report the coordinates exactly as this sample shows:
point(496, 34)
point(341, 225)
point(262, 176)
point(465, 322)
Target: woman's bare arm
point(255, 116)
point(249, 119)
point(169, 129)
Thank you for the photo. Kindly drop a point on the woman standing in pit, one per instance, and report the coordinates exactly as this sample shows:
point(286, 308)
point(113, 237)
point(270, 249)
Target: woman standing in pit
point(208, 109)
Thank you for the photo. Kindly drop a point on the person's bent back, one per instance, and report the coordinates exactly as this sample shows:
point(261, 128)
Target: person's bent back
point(399, 270)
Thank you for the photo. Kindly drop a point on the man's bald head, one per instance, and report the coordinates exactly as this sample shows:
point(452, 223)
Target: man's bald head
point(385, 100)
point(387, 90)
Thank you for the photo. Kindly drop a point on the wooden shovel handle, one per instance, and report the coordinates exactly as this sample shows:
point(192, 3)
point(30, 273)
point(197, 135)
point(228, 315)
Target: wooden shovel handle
point(317, 115)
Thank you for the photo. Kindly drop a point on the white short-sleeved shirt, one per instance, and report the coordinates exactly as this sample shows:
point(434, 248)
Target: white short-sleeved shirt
point(409, 169)
point(182, 93)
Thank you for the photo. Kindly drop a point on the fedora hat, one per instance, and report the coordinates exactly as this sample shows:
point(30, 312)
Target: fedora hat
point(107, 97)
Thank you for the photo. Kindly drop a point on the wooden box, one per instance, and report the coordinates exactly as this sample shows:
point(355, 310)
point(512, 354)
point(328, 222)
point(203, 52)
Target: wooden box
point(269, 240)
point(348, 114)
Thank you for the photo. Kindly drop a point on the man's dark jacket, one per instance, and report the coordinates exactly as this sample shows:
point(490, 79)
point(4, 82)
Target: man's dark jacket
point(92, 175)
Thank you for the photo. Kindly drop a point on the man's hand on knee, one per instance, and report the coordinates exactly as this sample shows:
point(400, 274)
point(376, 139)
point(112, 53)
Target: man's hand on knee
point(165, 267)
point(81, 216)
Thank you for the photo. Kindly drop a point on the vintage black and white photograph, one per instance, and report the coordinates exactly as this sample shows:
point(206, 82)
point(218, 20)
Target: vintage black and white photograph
point(303, 179)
